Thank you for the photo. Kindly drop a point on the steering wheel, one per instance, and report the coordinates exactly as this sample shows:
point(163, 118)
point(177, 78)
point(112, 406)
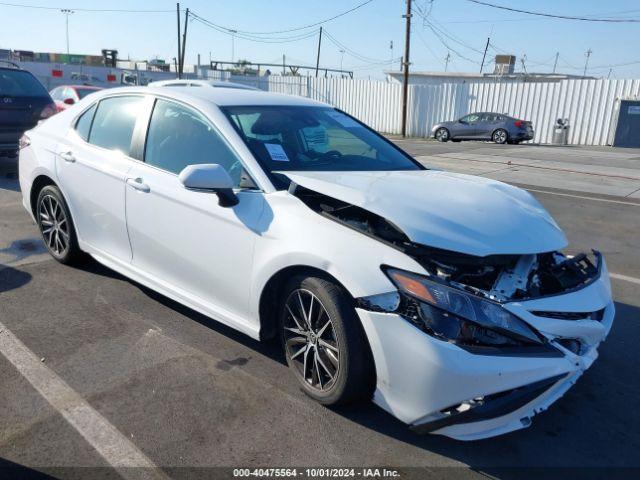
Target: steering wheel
point(329, 155)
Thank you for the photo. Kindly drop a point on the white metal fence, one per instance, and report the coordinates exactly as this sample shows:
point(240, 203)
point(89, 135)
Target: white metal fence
point(588, 104)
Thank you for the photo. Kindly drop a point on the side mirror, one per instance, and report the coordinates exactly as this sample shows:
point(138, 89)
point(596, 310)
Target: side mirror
point(69, 101)
point(210, 177)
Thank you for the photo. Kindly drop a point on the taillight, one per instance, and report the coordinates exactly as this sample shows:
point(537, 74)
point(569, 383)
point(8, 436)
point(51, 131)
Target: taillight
point(25, 141)
point(48, 111)
point(519, 123)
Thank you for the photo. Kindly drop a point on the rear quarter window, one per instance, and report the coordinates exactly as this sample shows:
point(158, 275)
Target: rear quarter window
point(20, 83)
point(83, 124)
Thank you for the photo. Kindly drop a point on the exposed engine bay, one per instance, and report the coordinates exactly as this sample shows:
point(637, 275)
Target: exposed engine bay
point(498, 277)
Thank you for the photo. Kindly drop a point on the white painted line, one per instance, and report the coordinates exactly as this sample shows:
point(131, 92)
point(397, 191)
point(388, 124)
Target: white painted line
point(584, 197)
point(625, 278)
point(112, 445)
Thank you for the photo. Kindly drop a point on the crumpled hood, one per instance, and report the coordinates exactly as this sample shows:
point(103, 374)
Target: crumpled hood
point(451, 211)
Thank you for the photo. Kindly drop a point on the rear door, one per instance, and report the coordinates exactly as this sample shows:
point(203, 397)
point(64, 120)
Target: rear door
point(22, 101)
point(487, 124)
point(92, 164)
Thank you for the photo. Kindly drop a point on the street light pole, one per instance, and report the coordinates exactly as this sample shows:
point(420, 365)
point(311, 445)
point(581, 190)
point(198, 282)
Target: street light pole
point(67, 12)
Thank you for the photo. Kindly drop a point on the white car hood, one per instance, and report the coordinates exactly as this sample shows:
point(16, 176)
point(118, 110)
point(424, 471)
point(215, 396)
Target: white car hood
point(451, 211)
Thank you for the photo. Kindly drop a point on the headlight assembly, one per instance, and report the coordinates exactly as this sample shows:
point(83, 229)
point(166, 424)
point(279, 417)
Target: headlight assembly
point(460, 317)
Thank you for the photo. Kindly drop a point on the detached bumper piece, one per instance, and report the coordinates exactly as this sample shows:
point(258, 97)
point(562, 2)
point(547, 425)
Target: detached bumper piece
point(488, 407)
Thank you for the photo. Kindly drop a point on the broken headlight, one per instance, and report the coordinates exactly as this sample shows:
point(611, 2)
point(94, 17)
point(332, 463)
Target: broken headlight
point(460, 317)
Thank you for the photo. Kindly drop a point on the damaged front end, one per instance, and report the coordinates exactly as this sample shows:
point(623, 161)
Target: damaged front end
point(544, 310)
point(462, 298)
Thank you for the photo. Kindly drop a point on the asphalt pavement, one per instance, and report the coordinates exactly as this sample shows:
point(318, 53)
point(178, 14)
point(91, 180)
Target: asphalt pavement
point(186, 392)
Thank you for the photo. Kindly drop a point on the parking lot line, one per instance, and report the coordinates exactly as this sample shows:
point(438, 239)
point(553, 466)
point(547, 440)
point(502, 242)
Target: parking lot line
point(584, 197)
point(625, 278)
point(112, 445)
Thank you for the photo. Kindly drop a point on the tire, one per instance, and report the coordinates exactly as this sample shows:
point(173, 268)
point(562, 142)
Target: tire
point(339, 366)
point(500, 136)
point(56, 226)
point(442, 135)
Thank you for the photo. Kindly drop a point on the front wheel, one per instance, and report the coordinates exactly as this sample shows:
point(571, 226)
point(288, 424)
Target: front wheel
point(56, 226)
point(324, 343)
point(500, 136)
point(442, 135)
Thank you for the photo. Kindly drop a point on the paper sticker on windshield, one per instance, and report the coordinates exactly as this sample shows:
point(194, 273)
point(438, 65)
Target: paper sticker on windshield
point(276, 152)
point(343, 120)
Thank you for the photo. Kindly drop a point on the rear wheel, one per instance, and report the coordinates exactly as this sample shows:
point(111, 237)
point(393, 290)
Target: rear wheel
point(324, 343)
point(56, 225)
point(442, 135)
point(500, 136)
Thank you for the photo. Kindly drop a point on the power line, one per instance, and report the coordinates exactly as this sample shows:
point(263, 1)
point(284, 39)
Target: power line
point(561, 17)
point(104, 10)
point(252, 38)
point(360, 5)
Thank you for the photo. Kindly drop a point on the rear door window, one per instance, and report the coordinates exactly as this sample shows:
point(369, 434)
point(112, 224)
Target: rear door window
point(114, 122)
point(20, 83)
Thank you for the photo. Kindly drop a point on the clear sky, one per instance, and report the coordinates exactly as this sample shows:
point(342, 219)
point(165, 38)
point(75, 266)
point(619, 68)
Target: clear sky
point(366, 33)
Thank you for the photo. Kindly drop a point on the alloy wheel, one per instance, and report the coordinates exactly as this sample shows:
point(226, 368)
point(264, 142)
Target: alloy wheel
point(442, 135)
point(310, 340)
point(54, 224)
point(500, 136)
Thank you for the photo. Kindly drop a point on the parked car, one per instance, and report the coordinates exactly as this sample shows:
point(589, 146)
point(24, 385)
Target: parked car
point(444, 297)
point(496, 127)
point(66, 95)
point(23, 102)
point(200, 83)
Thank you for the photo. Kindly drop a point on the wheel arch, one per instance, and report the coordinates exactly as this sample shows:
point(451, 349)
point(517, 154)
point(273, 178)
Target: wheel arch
point(37, 185)
point(272, 292)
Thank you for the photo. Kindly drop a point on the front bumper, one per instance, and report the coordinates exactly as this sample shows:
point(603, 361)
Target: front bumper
point(421, 380)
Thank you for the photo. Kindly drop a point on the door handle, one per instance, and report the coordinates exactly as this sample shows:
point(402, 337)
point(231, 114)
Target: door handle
point(67, 156)
point(138, 184)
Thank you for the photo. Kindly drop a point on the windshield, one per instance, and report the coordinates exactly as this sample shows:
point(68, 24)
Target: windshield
point(19, 83)
point(286, 138)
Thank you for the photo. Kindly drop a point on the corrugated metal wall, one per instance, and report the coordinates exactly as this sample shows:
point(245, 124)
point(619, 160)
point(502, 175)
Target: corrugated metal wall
point(588, 104)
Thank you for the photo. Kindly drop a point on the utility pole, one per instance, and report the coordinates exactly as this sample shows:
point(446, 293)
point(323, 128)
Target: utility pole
point(486, 47)
point(586, 63)
point(406, 63)
point(446, 61)
point(284, 63)
point(391, 59)
point(67, 12)
point(233, 44)
point(184, 40)
point(179, 49)
point(555, 63)
point(609, 74)
point(523, 60)
point(318, 55)
point(341, 60)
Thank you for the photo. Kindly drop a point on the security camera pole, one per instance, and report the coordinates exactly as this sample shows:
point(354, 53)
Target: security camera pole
point(405, 88)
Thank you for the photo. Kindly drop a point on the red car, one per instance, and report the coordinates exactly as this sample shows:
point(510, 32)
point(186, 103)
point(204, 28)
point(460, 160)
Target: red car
point(66, 95)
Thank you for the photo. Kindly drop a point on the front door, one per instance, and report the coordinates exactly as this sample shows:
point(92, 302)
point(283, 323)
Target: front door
point(466, 127)
point(184, 239)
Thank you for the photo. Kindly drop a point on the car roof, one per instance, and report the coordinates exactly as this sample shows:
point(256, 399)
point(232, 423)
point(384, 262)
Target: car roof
point(219, 96)
point(86, 87)
point(204, 83)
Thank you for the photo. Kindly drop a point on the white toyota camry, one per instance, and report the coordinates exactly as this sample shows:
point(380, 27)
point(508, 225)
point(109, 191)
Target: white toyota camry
point(443, 297)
